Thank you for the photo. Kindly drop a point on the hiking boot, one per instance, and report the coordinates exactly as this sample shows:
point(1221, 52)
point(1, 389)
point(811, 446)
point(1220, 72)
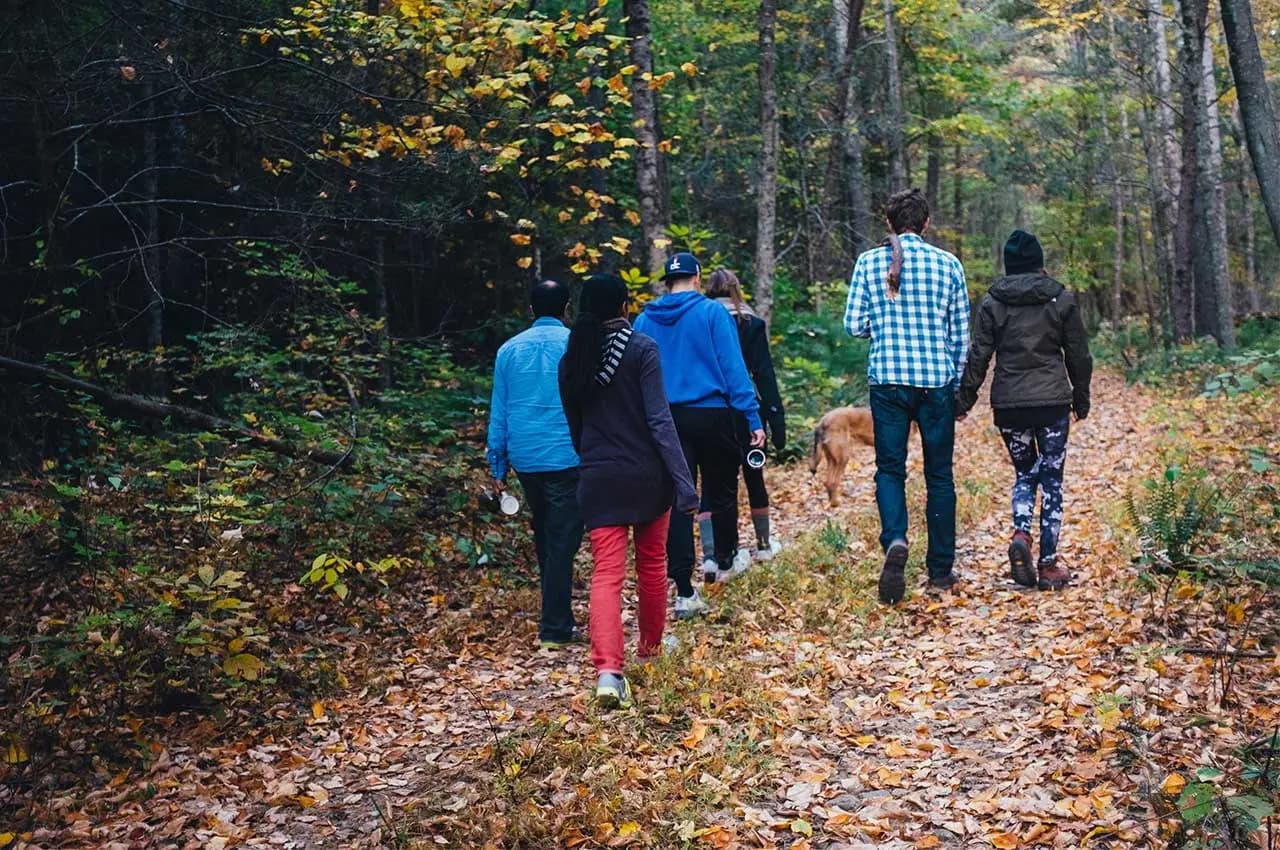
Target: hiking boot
point(690, 606)
point(945, 582)
point(1020, 559)
point(893, 579)
point(613, 691)
point(1053, 575)
point(766, 553)
point(710, 571)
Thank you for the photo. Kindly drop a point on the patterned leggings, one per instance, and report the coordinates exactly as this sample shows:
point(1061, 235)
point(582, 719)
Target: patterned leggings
point(1039, 457)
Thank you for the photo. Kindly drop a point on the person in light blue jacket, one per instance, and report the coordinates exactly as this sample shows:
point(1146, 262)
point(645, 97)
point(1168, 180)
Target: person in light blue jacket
point(706, 380)
point(528, 431)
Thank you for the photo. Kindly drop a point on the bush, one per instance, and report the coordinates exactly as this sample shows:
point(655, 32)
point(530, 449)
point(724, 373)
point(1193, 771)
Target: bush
point(1255, 363)
point(819, 367)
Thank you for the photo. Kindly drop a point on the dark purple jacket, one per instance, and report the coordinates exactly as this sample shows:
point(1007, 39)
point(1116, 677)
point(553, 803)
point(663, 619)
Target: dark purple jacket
point(632, 468)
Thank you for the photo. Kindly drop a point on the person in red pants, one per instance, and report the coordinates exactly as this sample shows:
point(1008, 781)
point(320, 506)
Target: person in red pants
point(632, 471)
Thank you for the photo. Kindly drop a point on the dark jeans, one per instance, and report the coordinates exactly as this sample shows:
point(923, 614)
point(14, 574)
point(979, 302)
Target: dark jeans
point(709, 440)
point(893, 409)
point(557, 533)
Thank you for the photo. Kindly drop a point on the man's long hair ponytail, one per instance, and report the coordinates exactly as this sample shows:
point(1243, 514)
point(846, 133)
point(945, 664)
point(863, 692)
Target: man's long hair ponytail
point(894, 279)
point(602, 298)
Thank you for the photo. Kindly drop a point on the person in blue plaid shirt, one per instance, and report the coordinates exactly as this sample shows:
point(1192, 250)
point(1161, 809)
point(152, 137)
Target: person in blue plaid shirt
point(910, 298)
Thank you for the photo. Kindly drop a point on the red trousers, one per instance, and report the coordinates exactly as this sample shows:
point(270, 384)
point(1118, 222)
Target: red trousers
point(609, 551)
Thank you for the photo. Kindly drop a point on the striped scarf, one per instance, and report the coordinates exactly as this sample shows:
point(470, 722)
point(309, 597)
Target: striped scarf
point(615, 345)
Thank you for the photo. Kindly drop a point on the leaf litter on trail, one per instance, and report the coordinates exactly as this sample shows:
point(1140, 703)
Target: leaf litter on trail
point(800, 713)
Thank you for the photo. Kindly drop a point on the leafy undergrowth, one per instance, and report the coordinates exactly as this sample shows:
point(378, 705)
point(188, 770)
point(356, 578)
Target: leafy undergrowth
point(1132, 710)
point(1201, 365)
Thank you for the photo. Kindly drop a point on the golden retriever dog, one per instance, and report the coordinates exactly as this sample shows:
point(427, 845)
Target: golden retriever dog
point(833, 441)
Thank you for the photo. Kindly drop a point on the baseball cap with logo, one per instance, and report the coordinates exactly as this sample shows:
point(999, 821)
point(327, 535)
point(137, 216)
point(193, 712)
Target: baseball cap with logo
point(683, 264)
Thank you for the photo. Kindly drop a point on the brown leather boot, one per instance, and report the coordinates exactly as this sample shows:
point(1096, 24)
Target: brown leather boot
point(1020, 559)
point(1053, 575)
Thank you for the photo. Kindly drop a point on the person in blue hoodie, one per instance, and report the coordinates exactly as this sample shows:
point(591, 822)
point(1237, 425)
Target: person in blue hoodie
point(706, 380)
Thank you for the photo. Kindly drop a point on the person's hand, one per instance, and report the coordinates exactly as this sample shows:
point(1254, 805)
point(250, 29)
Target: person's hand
point(757, 438)
point(1080, 417)
point(687, 503)
point(960, 417)
point(499, 486)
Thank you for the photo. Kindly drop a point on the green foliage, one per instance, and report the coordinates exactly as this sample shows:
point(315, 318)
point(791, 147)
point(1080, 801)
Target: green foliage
point(834, 537)
point(330, 572)
point(1177, 512)
point(1255, 364)
point(819, 367)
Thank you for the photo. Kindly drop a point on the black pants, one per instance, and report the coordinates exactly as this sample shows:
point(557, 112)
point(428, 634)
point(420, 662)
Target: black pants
point(756, 491)
point(557, 533)
point(708, 437)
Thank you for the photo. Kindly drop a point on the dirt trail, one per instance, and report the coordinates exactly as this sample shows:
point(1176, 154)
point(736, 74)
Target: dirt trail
point(973, 719)
point(964, 720)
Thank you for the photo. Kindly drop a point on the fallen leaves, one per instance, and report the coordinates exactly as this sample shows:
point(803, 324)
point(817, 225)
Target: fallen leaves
point(991, 716)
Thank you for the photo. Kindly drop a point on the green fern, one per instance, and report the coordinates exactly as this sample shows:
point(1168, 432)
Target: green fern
point(1174, 518)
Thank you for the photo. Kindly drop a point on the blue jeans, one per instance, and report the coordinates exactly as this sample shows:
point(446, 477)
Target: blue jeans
point(893, 409)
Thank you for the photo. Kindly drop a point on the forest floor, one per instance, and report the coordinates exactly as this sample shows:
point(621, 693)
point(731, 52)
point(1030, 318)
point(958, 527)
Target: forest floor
point(801, 713)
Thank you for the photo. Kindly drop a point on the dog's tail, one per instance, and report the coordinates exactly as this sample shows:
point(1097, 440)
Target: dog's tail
point(818, 433)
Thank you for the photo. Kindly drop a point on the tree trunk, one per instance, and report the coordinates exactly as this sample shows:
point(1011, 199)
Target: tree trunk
point(933, 181)
point(151, 252)
point(957, 202)
point(897, 152)
point(1168, 144)
point(1117, 210)
point(381, 308)
point(856, 183)
point(766, 210)
point(1190, 58)
point(1213, 288)
point(1163, 164)
point(1257, 110)
point(644, 105)
point(1252, 285)
point(600, 226)
point(844, 128)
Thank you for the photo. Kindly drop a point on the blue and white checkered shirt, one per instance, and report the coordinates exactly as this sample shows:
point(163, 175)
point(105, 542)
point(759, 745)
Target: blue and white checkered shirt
point(920, 338)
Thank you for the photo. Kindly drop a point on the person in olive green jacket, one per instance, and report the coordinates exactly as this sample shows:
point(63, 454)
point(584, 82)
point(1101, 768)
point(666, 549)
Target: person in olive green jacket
point(1032, 325)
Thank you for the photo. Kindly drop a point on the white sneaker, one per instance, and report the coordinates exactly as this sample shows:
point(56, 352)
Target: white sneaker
point(709, 570)
point(741, 563)
point(775, 546)
point(690, 606)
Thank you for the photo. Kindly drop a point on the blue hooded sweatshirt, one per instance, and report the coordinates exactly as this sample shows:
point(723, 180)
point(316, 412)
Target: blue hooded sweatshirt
point(702, 363)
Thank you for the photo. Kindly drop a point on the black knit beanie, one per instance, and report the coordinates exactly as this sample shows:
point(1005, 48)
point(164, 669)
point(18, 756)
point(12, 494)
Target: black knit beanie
point(1022, 254)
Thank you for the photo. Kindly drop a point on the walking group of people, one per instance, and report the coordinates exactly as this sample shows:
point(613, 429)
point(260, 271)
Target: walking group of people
point(611, 426)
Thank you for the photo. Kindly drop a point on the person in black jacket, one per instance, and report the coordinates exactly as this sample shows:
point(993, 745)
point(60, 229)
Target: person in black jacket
point(632, 470)
point(753, 336)
point(1043, 368)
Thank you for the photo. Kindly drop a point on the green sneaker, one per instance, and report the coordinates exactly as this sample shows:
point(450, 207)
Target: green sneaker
point(576, 638)
point(613, 691)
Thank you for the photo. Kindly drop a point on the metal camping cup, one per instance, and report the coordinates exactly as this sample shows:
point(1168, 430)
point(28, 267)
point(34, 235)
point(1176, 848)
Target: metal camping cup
point(755, 458)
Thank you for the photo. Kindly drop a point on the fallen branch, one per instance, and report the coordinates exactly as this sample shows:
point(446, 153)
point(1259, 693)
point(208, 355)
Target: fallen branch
point(142, 407)
point(1224, 653)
